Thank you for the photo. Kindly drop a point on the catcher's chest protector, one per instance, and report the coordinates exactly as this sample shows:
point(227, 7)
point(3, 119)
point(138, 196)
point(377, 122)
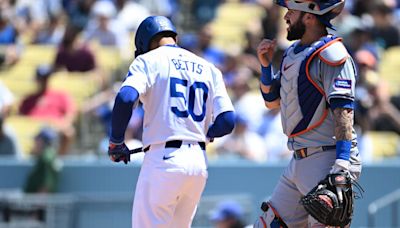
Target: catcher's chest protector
point(303, 104)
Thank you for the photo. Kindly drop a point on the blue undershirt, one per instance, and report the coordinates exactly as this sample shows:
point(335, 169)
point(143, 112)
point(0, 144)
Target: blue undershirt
point(341, 103)
point(122, 111)
point(223, 125)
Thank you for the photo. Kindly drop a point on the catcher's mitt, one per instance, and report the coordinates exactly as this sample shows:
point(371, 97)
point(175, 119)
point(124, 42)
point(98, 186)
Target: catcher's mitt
point(331, 201)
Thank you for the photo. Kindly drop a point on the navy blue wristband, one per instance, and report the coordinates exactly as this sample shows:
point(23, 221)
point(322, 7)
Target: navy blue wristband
point(266, 75)
point(343, 148)
point(269, 96)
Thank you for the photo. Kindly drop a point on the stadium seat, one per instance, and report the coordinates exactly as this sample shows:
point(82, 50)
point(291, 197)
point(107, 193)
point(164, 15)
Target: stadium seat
point(389, 68)
point(108, 58)
point(20, 88)
point(79, 85)
point(31, 57)
point(25, 129)
point(38, 54)
point(231, 22)
point(20, 78)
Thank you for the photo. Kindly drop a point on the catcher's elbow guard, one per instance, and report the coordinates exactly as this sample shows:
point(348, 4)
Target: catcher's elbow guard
point(269, 218)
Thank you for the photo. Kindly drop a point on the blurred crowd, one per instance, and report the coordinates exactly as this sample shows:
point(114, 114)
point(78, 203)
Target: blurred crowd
point(77, 29)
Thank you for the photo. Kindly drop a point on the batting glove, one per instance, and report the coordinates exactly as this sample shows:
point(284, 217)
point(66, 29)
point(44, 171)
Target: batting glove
point(119, 152)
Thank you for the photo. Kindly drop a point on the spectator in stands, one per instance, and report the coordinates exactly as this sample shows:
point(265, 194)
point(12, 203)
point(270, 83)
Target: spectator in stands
point(204, 11)
point(43, 178)
point(105, 29)
point(8, 145)
point(161, 7)
point(241, 144)
point(249, 55)
point(130, 14)
point(271, 131)
point(205, 48)
point(72, 54)
point(56, 107)
point(374, 108)
point(9, 56)
point(383, 114)
point(230, 70)
point(269, 23)
point(246, 102)
point(52, 32)
point(8, 32)
point(100, 106)
point(100, 27)
point(78, 12)
point(367, 65)
point(8, 142)
point(9, 50)
point(366, 81)
point(6, 100)
point(33, 16)
point(361, 39)
point(228, 214)
point(385, 33)
point(360, 7)
point(345, 22)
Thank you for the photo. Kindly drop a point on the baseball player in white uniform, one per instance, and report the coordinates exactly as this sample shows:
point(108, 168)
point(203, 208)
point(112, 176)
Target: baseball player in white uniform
point(186, 104)
point(314, 90)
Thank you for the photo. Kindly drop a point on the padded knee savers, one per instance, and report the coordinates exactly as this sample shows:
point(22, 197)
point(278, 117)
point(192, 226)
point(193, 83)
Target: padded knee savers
point(269, 218)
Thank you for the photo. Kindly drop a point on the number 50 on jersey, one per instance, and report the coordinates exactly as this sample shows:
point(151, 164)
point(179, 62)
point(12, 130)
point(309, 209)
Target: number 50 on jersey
point(192, 102)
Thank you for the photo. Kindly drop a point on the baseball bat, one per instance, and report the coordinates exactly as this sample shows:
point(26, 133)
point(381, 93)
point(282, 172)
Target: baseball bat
point(136, 150)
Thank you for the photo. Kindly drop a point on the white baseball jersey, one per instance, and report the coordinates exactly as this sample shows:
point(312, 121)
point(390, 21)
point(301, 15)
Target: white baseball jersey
point(181, 94)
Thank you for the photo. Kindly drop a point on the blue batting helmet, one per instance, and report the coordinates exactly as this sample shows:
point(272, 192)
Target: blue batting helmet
point(325, 10)
point(150, 27)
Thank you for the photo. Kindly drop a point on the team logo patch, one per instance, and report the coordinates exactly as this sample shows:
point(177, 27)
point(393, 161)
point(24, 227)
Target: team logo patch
point(286, 67)
point(343, 83)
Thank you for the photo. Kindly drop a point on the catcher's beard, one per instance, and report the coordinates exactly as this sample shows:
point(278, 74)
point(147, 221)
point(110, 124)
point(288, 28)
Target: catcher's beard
point(297, 30)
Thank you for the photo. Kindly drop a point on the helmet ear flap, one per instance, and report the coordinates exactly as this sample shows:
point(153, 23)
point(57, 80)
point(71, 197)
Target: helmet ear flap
point(139, 50)
point(137, 53)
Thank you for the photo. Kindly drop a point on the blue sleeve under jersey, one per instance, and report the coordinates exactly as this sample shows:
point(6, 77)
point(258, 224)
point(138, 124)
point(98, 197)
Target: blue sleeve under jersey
point(223, 125)
point(341, 103)
point(122, 111)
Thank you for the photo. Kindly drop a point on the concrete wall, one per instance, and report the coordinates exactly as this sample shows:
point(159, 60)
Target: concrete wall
point(117, 180)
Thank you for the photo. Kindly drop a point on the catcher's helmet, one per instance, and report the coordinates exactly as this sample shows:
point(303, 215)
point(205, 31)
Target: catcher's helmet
point(150, 27)
point(326, 10)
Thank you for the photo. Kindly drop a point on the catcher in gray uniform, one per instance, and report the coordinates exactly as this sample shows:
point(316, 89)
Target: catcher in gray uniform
point(314, 90)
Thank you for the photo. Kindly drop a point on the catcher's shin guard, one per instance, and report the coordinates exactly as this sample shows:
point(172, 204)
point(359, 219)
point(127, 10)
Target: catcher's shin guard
point(269, 218)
